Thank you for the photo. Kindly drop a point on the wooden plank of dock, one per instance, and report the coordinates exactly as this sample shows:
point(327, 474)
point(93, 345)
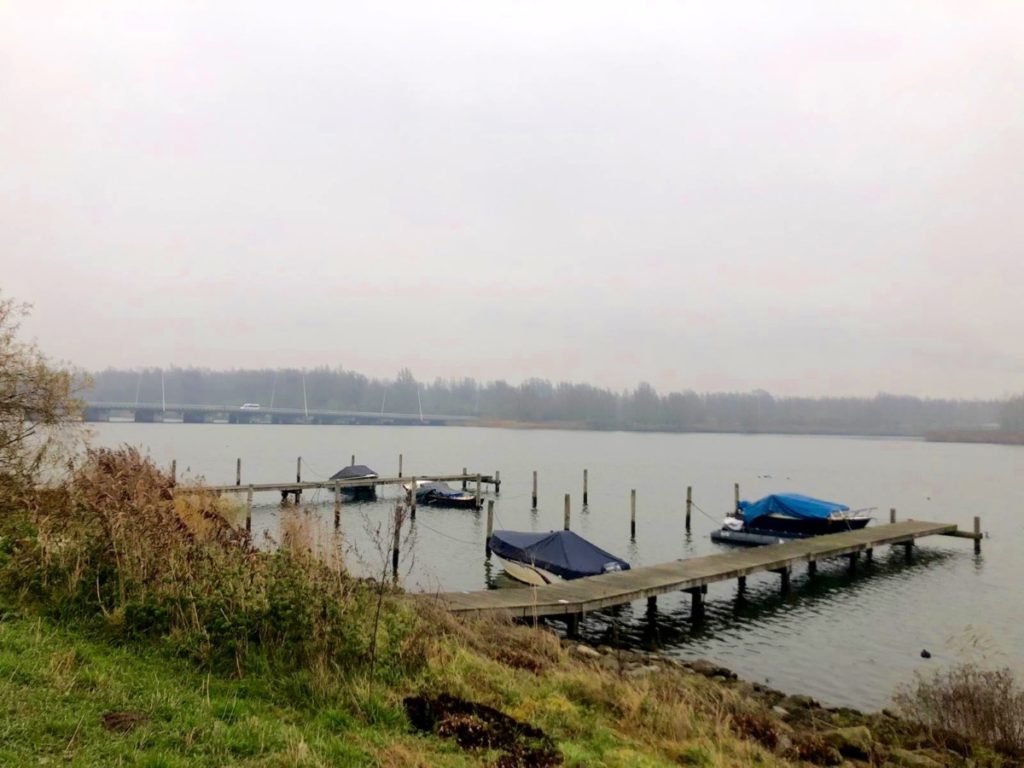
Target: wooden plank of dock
point(329, 484)
point(580, 596)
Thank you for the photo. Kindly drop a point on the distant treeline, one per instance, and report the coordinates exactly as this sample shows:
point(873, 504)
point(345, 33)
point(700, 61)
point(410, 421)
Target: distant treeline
point(537, 400)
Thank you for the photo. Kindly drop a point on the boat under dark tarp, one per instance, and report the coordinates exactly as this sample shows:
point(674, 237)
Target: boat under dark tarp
point(781, 516)
point(437, 494)
point(361, 492)
point(540, 558)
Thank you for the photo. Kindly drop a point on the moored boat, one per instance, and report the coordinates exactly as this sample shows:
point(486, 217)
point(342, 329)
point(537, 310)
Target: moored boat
point(545, 558)
point(361, 492)
point(436, 494)
point(784, 516)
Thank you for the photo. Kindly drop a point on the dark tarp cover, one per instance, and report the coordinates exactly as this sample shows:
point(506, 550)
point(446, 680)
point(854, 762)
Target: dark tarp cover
point(353, 472)
point(790, 504)
point(563, 553)
point(438, 489)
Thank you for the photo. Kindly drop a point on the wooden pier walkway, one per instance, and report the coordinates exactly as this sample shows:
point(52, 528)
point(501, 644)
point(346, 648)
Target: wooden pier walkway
point(304, 485)
point(571, 599)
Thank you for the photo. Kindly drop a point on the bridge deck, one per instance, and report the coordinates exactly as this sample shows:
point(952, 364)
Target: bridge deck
point(571, 598)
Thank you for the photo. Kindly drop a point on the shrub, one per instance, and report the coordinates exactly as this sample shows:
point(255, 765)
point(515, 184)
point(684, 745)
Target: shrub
point(982, 704)
point(116, 546)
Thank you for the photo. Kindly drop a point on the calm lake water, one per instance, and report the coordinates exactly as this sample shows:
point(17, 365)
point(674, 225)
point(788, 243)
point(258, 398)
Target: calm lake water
point(846, 640)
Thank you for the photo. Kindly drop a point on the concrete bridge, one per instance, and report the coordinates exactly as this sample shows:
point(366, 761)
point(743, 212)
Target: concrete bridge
point(236, 414)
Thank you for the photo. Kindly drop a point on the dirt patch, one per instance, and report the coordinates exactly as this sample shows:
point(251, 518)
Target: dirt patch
point(123, 722)
point(477, 726)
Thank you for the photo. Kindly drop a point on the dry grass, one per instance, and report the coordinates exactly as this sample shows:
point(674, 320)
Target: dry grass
point(982, 704)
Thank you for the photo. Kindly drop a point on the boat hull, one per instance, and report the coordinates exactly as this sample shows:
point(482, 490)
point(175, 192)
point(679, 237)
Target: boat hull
point(760, 535)
point(779, 525)
point(526, 573)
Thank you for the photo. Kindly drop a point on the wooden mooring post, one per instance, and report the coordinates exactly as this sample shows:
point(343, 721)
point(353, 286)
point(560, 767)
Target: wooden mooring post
point(238, 471)
point(689, 504)
point(567, 511)
point(977, 535)
point(399, 465)
point(396, 542)
point(497, 482)
point(337, 505)
point(412, 496)
point(477, 501)
point(490, 528)
point(892, 515)
point(174, 471)
point(632, 513)
point(534, 501)
point(736, 497)
point(586, 499)
point(249, 509)
point(464, 470)
point(353, 459)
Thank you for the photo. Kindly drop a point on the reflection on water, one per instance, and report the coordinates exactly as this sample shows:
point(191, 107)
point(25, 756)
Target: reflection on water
point(844, 638)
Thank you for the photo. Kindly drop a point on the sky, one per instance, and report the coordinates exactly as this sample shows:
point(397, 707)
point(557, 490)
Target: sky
point(808, 198)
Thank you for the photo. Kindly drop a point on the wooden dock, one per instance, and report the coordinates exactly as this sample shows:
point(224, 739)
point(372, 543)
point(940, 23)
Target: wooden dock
point(572, 599)
point(304, 485)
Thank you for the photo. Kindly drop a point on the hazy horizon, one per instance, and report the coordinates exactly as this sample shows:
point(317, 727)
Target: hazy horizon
point(806, 199)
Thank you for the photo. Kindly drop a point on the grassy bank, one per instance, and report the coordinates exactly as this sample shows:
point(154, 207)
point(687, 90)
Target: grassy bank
point(68, 697)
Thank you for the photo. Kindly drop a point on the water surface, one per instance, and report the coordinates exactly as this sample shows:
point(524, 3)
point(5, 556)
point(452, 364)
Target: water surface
point(845, 639)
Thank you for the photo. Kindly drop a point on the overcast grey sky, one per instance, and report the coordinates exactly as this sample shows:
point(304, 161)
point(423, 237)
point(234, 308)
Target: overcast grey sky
point(812, 198)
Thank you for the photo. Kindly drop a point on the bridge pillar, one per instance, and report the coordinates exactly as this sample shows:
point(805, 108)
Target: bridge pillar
point(95, 414)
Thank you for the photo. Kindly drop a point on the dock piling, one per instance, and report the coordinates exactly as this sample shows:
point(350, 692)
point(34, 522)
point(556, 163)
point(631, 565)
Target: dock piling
point(399, 465)
point(632, 514)
point(697, 602)
point(464, 478)
point(497, 482)
point(892, 515)
point(238, 471)
point(477, 502)
point(490, 527)
point(412, 496)
point(736, 497)
point(784, 574)
point(689, 504)
point(566, 512)
point(741, 583)
point(337, 505)
point(977, 535)
point(248, 510)
point(174, 471)
point(585, 498)
point(812, 568)
point(353, 459)
point(534, 490)
point(397, 540)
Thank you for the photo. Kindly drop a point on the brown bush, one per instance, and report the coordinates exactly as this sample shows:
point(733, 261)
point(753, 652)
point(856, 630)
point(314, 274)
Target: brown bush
point(982, 704)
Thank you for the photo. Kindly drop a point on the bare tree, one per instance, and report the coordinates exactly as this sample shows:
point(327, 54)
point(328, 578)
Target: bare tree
point(38, 401)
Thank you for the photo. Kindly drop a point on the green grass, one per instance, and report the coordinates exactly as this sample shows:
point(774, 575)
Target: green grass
point(56, 685)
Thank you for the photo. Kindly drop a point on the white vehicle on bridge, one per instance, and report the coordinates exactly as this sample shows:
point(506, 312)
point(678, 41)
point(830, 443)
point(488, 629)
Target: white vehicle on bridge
point(249, 406)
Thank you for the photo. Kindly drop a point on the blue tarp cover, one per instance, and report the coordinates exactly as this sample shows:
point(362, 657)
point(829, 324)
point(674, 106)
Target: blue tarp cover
point(791, 504)
point(563, 553)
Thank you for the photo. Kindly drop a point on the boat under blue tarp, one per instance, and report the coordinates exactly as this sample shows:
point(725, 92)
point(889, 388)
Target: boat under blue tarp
point(562, 553)
point(790, 505)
